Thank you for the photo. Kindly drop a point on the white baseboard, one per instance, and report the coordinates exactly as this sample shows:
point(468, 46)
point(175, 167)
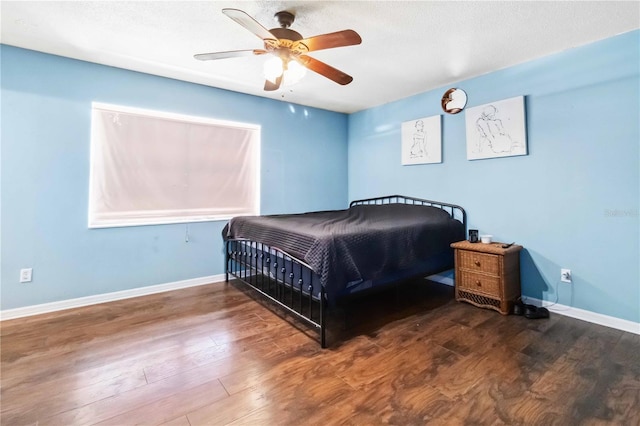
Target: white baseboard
point(106, 297)
point(581, 314)
point(593, 317)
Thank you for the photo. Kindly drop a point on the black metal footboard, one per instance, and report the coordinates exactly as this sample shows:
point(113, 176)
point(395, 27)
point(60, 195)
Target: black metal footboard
point(285, 280)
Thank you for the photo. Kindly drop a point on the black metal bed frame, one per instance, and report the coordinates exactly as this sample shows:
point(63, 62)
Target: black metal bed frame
point(288, 281)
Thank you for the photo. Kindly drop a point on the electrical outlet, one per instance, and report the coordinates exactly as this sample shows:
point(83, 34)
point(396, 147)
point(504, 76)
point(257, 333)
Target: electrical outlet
point(565, 275)
point(25, 275)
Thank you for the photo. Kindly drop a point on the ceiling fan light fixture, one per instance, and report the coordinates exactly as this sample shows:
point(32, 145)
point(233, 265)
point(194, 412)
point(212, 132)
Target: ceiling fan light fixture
point(274, 67)
point(294, 73)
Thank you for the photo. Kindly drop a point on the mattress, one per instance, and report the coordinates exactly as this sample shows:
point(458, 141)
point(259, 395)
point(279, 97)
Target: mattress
point(362, 244)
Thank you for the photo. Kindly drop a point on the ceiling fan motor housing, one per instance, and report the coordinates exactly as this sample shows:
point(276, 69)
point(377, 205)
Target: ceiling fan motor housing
point(285, 33)
point(286, 40)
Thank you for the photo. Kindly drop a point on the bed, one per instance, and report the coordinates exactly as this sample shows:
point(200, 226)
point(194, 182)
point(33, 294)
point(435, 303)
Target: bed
point(306, 262)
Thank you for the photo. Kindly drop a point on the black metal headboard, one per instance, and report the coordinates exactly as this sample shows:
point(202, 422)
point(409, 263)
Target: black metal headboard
point(455, 211)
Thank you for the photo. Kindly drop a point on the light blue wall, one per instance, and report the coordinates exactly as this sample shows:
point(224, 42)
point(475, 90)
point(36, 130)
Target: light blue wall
point(46, 107)
point(572, 202)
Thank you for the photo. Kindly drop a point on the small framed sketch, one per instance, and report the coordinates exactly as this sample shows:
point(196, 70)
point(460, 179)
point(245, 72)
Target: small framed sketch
point(422, 141)
point(496, 129)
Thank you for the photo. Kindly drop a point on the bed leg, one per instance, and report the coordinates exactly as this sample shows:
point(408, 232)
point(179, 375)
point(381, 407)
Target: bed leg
point(226, 262)
point(323, 339)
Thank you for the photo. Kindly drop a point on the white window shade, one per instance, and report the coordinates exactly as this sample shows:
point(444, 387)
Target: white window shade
point(149, 167)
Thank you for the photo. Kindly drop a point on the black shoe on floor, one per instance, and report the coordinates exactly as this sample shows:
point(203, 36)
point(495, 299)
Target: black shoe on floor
point(520, 308)
point(533, 312)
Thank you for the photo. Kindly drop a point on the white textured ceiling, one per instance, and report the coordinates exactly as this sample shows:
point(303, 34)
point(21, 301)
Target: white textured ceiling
point(407, 47)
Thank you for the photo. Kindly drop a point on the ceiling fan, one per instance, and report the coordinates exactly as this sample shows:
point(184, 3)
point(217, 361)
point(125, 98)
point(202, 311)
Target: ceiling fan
point(287, 46)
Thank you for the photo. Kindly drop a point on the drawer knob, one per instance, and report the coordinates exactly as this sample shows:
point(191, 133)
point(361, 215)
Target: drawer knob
point(478, 283)
point(477, 262)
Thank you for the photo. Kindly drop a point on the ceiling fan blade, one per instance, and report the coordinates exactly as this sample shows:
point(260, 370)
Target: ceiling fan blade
point(249, 23)
point(327, 41)
point(324, 69)
point(229, 54)
point(270, 86)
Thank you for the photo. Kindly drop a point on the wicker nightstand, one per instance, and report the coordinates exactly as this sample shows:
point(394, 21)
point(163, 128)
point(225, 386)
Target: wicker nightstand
point(487, 275)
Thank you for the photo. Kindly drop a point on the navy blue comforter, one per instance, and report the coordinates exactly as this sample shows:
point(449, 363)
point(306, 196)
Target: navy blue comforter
point(364, 242)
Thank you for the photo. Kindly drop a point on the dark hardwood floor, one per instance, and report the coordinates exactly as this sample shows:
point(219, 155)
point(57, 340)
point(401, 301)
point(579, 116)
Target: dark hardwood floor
point(411, 356)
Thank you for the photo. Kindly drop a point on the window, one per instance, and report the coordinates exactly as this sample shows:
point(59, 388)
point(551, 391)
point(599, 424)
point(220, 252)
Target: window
point(150, 167)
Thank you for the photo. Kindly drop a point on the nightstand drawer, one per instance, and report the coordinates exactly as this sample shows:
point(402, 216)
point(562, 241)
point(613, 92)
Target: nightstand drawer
point(479, 283)
point(481, 262)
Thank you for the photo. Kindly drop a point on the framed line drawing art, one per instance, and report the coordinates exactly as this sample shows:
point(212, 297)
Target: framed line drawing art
point(422, 141)
point(496, 129)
